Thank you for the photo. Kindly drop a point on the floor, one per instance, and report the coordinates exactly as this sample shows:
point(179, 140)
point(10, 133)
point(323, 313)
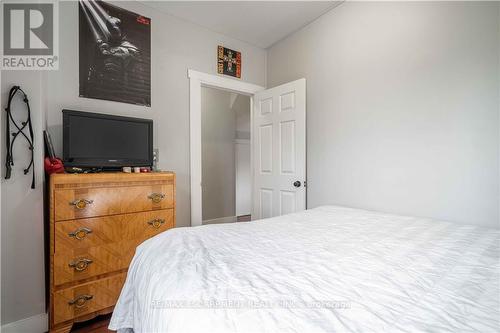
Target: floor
point(96, 325)
point(244, 218)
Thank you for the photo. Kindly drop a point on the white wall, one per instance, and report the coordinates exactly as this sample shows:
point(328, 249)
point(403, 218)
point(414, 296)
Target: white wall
point(402, 107)
point(22, 225)
point(241, 107)
point(243, 177)
point(176, 46)
point(218, 130)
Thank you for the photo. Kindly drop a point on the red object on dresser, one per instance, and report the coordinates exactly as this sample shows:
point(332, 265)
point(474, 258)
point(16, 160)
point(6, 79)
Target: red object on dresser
point(53, 165)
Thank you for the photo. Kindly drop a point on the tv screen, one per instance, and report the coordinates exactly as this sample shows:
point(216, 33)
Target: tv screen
point(106, 141)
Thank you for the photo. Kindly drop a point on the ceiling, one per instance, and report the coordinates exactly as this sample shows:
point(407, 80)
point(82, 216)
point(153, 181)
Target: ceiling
point(261, 23)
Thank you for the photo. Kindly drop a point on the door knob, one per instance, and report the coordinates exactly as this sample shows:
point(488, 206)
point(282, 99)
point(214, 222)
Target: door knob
point(297, 183)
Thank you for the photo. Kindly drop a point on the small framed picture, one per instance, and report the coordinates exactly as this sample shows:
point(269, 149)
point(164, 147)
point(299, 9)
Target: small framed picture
point(228, 62)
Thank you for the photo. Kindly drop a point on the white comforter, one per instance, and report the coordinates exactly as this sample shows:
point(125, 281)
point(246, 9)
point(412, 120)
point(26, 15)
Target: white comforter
point(328, 269)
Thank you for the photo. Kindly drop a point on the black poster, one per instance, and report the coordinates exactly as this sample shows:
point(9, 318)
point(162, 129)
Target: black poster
point(115, 53)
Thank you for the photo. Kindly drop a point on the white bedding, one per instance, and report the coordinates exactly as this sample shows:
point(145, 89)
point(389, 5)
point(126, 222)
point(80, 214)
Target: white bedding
point(329, 269)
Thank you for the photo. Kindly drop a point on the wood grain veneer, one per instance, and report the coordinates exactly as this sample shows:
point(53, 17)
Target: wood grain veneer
point(96, 223)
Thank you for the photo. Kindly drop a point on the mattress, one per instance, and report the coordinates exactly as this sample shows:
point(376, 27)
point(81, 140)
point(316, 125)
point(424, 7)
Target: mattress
point(328, 269)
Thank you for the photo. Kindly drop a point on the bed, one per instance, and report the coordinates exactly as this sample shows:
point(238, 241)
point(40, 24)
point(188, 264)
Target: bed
point(328, 269)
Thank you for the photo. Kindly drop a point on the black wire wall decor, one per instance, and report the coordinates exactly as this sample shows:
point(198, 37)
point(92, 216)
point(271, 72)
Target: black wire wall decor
point(18, 131)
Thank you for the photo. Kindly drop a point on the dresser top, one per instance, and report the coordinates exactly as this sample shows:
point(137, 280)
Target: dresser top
point(81, 178)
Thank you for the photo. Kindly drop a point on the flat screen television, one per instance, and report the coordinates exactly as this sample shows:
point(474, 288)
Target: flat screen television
point(94, 140)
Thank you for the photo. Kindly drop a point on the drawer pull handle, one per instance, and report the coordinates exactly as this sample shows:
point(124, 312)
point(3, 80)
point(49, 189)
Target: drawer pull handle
point(156, 197)
point(81, 300)
point(156, 223)
point(81, 203)
point(80, 264)
point(80, 233)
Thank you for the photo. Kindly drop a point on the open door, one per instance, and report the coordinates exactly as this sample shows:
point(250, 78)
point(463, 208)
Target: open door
point(279, 150)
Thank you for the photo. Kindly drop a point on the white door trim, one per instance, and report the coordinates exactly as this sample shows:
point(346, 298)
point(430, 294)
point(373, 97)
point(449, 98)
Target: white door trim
point(196, 81)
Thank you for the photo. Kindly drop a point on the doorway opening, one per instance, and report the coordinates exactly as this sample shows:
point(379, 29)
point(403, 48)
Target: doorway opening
point(225, 151)
point(197, 80)
point(277, 145)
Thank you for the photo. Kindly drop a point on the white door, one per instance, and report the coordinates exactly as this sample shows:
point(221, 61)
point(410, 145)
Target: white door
point(279, 156)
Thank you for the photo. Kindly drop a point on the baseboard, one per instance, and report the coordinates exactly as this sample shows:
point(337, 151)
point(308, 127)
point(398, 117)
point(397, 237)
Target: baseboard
point(227, 219)
point(35, 324)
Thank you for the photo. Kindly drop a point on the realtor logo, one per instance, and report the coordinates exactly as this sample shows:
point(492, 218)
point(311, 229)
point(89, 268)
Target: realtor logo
point(29, 36)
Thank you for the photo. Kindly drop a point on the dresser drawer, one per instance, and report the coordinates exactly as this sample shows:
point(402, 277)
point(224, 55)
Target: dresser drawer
point(96, 231)
point(87, 298)
point(73, 204)
point(110, 245)
point(81, 264)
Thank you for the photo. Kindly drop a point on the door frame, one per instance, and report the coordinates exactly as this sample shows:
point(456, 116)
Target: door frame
point(196, 81)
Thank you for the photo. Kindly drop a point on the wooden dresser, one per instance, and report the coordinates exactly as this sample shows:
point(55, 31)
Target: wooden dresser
point(96, 223)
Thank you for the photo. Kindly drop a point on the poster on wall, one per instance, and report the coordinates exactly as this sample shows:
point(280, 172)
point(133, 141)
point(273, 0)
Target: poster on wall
point(115, 53)
point(228, 62)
